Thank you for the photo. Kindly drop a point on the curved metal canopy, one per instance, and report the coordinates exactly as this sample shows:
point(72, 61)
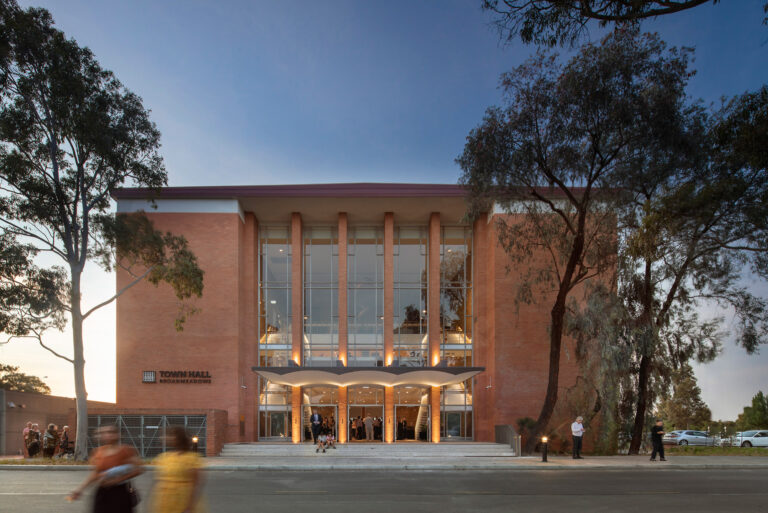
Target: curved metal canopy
point(386, 376)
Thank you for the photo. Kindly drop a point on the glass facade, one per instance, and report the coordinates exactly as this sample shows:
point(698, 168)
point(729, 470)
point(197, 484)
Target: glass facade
point(321, 296)
point(456, 296)
point(365, 296)
point(456, 328)
point(411, 346)
point(365, 327)
point(275, 296)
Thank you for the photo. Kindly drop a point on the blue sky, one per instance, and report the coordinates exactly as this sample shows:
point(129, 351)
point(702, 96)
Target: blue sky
point(257, 92)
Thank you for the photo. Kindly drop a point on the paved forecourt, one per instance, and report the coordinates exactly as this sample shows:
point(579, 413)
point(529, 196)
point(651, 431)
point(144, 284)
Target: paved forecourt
point(229, 491)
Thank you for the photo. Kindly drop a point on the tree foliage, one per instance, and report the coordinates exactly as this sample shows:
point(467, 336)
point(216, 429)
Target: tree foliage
point(70, 134)
point(683, 408)
point(12, 379)
point(565, 22)
point(756, 415)
point(559, 152)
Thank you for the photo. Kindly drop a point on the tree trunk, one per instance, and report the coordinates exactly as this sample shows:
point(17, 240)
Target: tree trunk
point(642, 393)
point(550, 400)
point(556, 336)
point(81, 396)
point(645, 362)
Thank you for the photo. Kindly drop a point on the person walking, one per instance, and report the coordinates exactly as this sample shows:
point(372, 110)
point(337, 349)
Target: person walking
point(368, 428)
point(657, 432)
point(113, 465)
point(577, 432)
point(316, 422)
point(178, 481)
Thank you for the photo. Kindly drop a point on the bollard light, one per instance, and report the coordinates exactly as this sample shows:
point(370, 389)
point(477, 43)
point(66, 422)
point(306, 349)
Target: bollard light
point(544, 441)
point(194, 443)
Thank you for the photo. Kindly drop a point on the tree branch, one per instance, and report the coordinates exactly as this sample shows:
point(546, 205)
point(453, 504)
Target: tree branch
point(118, 294)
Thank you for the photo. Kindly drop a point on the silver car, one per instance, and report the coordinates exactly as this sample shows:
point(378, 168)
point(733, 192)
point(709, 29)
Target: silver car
point(689, 437)
point(753, 438)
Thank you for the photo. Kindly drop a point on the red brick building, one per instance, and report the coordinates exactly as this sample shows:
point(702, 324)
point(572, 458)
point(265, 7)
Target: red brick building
point(351, 300)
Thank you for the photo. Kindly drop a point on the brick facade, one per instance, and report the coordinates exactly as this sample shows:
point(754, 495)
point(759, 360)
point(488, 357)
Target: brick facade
point(510, 341)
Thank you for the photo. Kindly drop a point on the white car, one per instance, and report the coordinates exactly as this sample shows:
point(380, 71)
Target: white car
point(689, 437)
point(753, 438)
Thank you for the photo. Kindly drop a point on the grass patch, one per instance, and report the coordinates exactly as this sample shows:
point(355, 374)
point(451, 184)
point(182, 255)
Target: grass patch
point(41, 461)
point(687, 450)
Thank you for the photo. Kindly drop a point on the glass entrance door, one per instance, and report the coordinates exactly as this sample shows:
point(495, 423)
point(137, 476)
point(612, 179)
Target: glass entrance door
point(328, 416)
point(412, 423)
point(365, 413)
point(365, 423)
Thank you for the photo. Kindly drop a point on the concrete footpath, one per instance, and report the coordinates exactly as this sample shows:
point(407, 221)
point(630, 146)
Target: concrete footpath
point(335, 460)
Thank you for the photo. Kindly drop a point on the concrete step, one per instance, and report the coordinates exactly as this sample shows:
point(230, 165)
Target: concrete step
point(400, 450)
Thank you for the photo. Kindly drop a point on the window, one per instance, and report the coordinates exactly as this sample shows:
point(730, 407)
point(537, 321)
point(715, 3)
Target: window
point(274, 296)
point(365, 296)
point(411, 346)
point(321, 289)
point(456, 295)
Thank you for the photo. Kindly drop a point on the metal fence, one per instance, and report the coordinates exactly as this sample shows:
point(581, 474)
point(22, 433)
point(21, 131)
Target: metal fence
point(147, 433)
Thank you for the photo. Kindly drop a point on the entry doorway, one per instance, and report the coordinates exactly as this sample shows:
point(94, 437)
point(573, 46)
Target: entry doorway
point(357, 415)
point(412, 423)
point(329, 415)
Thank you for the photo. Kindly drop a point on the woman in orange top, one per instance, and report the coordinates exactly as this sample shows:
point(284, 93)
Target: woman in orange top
point(178, 478)
point(114, 494)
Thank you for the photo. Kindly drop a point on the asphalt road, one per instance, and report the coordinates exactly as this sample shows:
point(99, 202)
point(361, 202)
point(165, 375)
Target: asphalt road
point(587, 491)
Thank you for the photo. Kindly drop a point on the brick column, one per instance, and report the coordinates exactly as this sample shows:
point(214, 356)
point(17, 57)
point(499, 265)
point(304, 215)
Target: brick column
point(297, 286)
point(433, 289)
point(342, 423)
point(342, 311)
point(434, 407)
point(388, 429)
point(296, 415)
point(389, 283)
point(248, 312)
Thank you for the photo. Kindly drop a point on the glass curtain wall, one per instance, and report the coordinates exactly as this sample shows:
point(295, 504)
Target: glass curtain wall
point(456, 295)
point(411, 346)
point(456, 328)
point(274, 329)
point(321, 289)
point(365, 296)
point(274, 296)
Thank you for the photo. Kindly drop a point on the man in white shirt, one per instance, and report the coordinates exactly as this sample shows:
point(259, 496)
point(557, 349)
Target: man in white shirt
point(577, 430)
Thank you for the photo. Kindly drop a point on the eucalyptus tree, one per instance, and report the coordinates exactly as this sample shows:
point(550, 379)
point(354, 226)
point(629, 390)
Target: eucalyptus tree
point(70, 134)
point(564, 22)
point(698, 220)
point(557, 152)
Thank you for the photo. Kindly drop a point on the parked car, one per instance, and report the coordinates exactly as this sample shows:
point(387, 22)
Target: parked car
point(689, 437)
point(753, 438)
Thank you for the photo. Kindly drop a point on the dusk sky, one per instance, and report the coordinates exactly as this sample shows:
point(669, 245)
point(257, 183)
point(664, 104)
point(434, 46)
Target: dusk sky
point(256, 92)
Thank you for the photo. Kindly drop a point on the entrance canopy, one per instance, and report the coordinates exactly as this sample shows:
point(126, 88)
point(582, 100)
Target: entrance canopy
point(385, 376)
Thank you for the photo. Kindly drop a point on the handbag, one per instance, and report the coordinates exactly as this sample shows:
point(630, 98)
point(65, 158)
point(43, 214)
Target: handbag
point(134, 496)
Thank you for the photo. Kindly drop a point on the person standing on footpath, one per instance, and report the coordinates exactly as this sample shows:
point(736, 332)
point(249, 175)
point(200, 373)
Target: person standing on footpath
point(657, 432)
point(577, 430)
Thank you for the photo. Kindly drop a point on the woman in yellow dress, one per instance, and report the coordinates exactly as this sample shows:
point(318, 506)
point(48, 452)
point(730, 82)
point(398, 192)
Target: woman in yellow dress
point(179, 481)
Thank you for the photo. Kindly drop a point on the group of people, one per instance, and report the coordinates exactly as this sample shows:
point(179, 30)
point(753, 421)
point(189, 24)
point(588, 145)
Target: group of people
point(367, 428)
point(178, 477)
point(50, 443)
point(323, 431)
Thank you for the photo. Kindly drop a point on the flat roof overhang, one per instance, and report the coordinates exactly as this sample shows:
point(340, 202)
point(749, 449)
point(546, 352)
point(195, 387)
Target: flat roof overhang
point(384, 376)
